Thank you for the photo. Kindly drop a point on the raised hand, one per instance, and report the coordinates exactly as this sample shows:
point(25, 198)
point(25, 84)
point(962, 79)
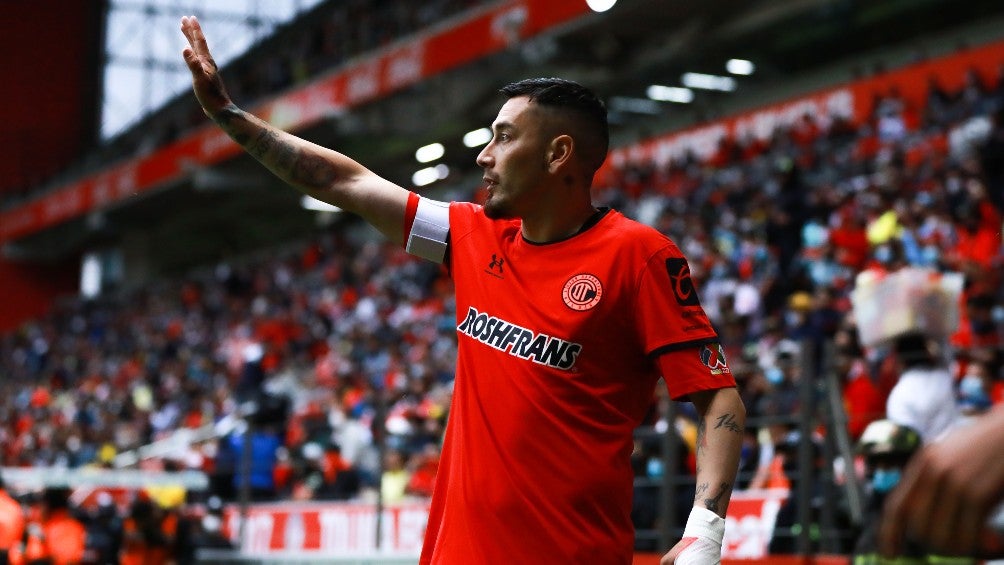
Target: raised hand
point(206, 81)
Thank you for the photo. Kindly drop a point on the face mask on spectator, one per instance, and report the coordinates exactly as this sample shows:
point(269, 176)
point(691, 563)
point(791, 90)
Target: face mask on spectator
point(972, 393)
point(883, 254)
point(774, 375)
point(997, 314)
point(884, 480)
point(931, 254)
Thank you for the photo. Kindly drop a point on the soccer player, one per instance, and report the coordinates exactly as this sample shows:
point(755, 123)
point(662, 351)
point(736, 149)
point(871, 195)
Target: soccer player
point(566, 317)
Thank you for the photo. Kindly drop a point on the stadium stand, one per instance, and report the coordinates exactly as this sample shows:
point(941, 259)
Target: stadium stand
point(358, 338)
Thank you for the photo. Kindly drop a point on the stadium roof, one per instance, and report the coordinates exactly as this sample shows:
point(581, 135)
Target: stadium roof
point(797, 46)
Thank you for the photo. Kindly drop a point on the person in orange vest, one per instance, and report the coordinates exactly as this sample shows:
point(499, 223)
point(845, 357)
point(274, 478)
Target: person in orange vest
point(57, 539)
point(11, 523)
point(148, 534)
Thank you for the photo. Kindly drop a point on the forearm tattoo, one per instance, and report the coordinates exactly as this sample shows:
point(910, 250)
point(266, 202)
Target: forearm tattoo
point(712, 502)
point(283, 157)
point(702, 437)
point(728, 421)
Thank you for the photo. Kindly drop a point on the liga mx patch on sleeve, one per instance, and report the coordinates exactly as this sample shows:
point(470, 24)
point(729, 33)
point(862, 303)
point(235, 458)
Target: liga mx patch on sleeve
point(713, 357)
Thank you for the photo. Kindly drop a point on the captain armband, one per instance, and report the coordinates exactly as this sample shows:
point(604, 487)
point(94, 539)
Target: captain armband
point(430, 230)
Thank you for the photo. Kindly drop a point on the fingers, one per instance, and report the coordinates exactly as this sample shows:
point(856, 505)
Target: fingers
point(897, 510)
point(969, 527)
point(190, 59)
point(196, 39)
point(940, 529)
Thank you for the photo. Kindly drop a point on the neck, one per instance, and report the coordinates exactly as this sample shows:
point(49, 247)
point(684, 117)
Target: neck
point(554, 227)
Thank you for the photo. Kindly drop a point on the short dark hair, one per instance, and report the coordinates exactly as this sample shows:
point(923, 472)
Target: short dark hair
point(575, 101)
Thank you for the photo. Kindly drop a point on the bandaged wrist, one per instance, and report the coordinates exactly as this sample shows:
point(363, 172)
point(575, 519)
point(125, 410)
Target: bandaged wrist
point(704, 523)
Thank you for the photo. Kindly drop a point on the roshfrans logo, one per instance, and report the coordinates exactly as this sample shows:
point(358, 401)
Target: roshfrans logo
point(518, 341)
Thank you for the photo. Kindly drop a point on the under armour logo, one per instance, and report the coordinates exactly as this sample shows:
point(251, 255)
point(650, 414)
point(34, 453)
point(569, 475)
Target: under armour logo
point(496, 263)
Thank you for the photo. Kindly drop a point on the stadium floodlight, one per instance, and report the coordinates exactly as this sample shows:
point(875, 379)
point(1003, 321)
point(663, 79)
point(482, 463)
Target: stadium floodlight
point(600, 5)
point(311, 203)
point(635, 105)
point(708, 82)
point(430, 175)
point(90, 276)
point(428, 153)
point(477, 137)
point(670, 94)
point(740, 67)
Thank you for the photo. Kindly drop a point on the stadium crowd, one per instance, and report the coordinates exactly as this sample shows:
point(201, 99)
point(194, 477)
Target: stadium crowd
point(360, 338)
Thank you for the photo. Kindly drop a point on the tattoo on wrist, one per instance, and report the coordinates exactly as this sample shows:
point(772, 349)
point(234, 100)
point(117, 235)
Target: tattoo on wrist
point(711, 503)
point(226, 115)
point(701, 489)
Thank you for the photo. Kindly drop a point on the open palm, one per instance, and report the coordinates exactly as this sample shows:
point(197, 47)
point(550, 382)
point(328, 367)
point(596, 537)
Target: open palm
point(206, 81)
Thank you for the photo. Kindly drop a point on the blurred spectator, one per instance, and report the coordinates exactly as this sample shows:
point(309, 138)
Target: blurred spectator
point(924, 396)
point(395, 477)
point(264, 443)
point(148, 534)
point(54, 536)
point(11, 523)
point(887, 447)
point(104, 531)
point(201, 528)
point(974, 389)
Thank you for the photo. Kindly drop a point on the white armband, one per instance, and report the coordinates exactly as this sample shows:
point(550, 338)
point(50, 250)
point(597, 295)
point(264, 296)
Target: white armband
point(430, 230)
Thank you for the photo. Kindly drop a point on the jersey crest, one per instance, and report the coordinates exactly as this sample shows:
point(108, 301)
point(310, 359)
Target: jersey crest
point(582, 292)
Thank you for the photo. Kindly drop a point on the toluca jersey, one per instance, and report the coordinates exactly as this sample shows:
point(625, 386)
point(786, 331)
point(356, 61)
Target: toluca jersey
point(559, 352)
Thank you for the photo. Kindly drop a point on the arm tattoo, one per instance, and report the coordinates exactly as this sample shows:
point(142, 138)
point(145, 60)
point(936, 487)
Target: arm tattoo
point(314, 170)
point(702, 438)
point(728, 421)
point(711, 503)
point(226, 115)
point(263, 144)
point(285, 159)
point(701, 489)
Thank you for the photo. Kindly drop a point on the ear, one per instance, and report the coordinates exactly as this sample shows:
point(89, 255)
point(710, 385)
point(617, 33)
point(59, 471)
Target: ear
point(559, 153)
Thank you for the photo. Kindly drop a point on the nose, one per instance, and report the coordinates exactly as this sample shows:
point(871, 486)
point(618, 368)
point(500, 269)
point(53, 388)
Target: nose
point(485, 160)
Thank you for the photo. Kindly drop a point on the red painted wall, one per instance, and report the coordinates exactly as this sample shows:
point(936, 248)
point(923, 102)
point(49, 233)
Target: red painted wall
point(49, 60)
point(28, 290)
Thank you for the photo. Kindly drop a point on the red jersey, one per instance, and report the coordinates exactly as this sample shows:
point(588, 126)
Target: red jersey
point(557, 365)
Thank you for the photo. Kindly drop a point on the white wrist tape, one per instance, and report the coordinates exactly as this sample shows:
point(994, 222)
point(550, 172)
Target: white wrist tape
point(430, 231)
point(704, 533)
point(704, 523)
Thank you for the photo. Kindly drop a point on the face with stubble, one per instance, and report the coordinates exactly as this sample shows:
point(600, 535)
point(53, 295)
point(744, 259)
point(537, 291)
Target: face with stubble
point(515, 161)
